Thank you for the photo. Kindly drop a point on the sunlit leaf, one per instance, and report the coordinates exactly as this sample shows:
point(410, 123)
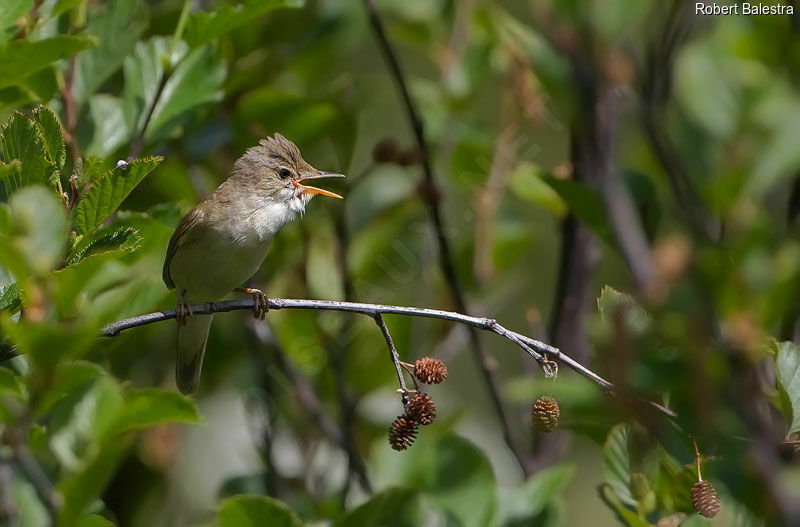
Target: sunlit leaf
point(205, 26)
point(22, 140)
point(256, 511)
point(787, 370)
point(107, 193)
point(9, 298)
point(39, 227)
point(612, 302)
point(20, 58)
point(147, 407)
point(10, 12)
point(52, 138)
point(117, 26)
point(113, 239)
point(520, 504)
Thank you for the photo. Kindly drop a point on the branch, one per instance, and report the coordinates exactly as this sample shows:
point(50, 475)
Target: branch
point(538, 350)
point(392, 353)
point(446, 262)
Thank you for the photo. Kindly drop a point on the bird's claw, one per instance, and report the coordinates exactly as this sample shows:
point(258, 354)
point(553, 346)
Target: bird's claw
point(182, 312)
point(260, 302)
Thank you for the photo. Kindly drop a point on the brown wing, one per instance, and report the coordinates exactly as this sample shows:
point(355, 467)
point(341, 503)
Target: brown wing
point(192, 218)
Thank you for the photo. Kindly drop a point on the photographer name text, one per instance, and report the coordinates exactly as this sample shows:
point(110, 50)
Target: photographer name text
point(744, 9)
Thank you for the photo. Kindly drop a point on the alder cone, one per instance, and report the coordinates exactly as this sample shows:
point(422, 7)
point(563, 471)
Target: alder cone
point(430, 371)
point(545, 414)
point(386, 151)
point(421, 409)
point(705, 499)
point(402, 433)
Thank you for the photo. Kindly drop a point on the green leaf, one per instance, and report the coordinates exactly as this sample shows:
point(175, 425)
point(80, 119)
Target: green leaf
point(10, 11)
point(205, 26)
point(528, 183)
point(50, 128)
point(63, 6)
point(520, 504)
point(108, 193)
point(111, 240)
point(389, 508)
point(617, 464)
point(94, 521)
point(636, 318)
point(83, 420)
point(256, 511)
point(11, 383)
point(148, 407)
point(20, 58)
point(82, 488)
point(625, 515)
point(117, 26)
point(69, 378)
point(107, 130)
point(9, 298)
point(173, 97)
point(584, 203)
point(21, 139)
point(39, 227)
point(787, 370)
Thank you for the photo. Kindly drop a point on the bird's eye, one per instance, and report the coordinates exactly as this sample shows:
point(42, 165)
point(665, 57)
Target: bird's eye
point(284, 172)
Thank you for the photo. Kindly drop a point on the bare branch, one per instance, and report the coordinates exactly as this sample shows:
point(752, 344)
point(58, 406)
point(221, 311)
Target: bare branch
point(392, 352)
point(537, 349)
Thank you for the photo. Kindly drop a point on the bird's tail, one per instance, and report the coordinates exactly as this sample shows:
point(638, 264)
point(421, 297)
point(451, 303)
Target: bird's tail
point(191, 347)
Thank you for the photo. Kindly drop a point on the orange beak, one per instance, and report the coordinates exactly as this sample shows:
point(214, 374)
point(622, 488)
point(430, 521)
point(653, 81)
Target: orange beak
point(315, 190)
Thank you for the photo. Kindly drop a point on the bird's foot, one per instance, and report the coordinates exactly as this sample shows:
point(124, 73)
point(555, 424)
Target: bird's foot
point(182, 311)
point(260, 302)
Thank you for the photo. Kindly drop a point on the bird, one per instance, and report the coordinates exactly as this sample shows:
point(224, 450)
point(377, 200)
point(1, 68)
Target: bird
point(223, 241)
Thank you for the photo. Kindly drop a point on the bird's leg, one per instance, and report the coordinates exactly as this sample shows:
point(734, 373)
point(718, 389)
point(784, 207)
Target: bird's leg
point(260, 302)
point(182, 311)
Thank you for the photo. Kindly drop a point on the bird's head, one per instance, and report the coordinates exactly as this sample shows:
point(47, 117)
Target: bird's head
point(275, 170)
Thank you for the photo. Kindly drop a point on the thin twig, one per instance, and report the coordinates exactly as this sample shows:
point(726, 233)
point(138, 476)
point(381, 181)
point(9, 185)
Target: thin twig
point(537, 349)
point(392, 353)
point(485, 365)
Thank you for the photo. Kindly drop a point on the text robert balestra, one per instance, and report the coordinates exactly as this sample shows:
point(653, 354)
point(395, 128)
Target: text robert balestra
point(745, 8)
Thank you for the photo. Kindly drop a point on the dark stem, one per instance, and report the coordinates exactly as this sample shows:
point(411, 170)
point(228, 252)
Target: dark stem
point(138, 144)
point(401, 380)
point(486, 366)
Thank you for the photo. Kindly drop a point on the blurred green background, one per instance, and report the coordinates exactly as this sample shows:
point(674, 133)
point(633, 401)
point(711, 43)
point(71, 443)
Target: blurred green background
point(618, 178)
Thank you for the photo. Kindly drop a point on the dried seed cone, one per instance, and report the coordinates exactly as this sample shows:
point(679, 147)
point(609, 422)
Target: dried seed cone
point(705, 499)
point(403, 432)
point(545, 414)
point(421, 409)
point(430, 370)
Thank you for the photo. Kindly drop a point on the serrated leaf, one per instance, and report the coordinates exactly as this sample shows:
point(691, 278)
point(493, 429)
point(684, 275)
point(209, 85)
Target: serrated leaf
point(22, 140)
point(617, 464)
point(256, 511)
point(787, 370)
point(148, 407)
point(50, 128)
point(117, 26)
point(21, 58)
point(10, 11)
point(108, 193)
point(10, 299)
point(125, 239)
point(205, 26)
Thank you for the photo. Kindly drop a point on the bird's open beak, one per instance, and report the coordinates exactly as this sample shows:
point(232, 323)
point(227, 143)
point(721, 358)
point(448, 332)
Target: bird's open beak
point(315, 190)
